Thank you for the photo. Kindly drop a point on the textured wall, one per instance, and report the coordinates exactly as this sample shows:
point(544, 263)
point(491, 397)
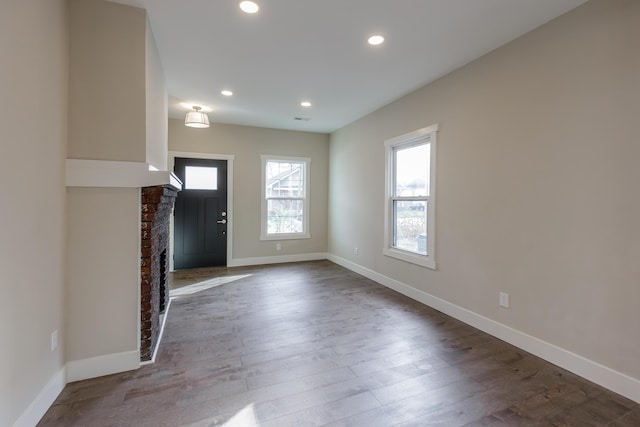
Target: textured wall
point(157, 206)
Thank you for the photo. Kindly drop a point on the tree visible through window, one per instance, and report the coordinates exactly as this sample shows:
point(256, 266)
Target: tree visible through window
point(410, 211)
point(285, 192)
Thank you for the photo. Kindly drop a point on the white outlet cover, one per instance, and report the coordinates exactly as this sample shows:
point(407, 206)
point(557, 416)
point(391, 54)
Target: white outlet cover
point(504, 300)
point(54, 340)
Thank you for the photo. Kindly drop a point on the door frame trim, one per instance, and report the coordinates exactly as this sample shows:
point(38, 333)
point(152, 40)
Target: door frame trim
point(171, 160)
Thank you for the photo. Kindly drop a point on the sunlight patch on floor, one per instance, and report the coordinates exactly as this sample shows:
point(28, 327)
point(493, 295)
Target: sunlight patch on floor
point(245, 417)
point(204, 285)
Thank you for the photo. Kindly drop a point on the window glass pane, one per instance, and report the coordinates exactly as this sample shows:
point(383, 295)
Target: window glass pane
point(285, 179)
point(200, 178)
point(410, 226)
point(285, 216)
point(412, 170)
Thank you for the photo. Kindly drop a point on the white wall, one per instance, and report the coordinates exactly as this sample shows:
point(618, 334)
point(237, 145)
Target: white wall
point(33, 135)
point(156, 100)
point(115, 63)
point(103, 269)
point(107, 89)
point(247, 144)
point(537, 182)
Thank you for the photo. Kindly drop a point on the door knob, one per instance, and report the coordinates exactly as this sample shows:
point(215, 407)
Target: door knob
point(223, 221)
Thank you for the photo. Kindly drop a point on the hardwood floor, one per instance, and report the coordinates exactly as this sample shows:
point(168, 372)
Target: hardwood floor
point(312, 344)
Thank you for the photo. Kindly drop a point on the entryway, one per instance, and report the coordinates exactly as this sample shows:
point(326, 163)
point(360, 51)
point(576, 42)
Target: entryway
point(201, 217)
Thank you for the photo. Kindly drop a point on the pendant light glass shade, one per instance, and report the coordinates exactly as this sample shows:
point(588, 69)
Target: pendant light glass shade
point(249, 6)
point(196, 118)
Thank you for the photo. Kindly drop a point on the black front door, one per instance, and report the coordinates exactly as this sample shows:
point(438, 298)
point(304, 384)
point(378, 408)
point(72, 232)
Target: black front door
point(200, 226)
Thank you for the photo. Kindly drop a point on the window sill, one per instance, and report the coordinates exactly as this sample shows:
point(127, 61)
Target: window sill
point(289, 236)
point(421, 260)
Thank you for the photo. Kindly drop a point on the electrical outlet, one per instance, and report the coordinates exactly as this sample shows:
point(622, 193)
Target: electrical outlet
point(355, 251)
point(278, 246)
point(504, 300)
point(54, 340)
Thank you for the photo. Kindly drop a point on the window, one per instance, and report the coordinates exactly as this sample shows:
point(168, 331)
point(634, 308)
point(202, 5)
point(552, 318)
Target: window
point(410, 198)
point(200, 178)
point(285, 203)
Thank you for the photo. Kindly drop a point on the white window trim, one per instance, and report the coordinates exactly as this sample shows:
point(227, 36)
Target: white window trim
point(263, 204)
point(428, 260)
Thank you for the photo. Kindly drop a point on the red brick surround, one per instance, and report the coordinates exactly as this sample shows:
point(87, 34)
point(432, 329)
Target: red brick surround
point(157, 205)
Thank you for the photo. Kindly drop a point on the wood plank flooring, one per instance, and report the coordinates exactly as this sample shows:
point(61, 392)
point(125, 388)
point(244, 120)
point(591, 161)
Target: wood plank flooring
point(313, 344)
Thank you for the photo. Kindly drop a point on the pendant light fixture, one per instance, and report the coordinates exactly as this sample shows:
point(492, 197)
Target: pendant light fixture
point(196, 118)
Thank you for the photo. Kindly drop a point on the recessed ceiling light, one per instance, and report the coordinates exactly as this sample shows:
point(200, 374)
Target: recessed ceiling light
point(375, 40)
point(226, 92)
point(305, 104)
point(249, 6)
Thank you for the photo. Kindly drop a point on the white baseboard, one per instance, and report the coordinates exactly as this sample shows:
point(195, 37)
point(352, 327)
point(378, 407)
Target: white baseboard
point(102, 365)
point(613, 380)
point(241, 262)
point(36, 410)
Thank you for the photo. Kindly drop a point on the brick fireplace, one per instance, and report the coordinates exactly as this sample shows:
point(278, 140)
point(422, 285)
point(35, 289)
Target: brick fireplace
point(157, 205)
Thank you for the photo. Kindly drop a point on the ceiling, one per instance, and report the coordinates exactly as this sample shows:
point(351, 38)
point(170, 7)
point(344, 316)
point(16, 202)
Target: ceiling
point(295, 50)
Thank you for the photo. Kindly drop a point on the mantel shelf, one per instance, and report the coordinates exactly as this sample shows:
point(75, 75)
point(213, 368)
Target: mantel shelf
point(105, 173)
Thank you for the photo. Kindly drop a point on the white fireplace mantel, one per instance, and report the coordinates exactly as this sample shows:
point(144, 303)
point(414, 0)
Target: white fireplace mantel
point(106, 173)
